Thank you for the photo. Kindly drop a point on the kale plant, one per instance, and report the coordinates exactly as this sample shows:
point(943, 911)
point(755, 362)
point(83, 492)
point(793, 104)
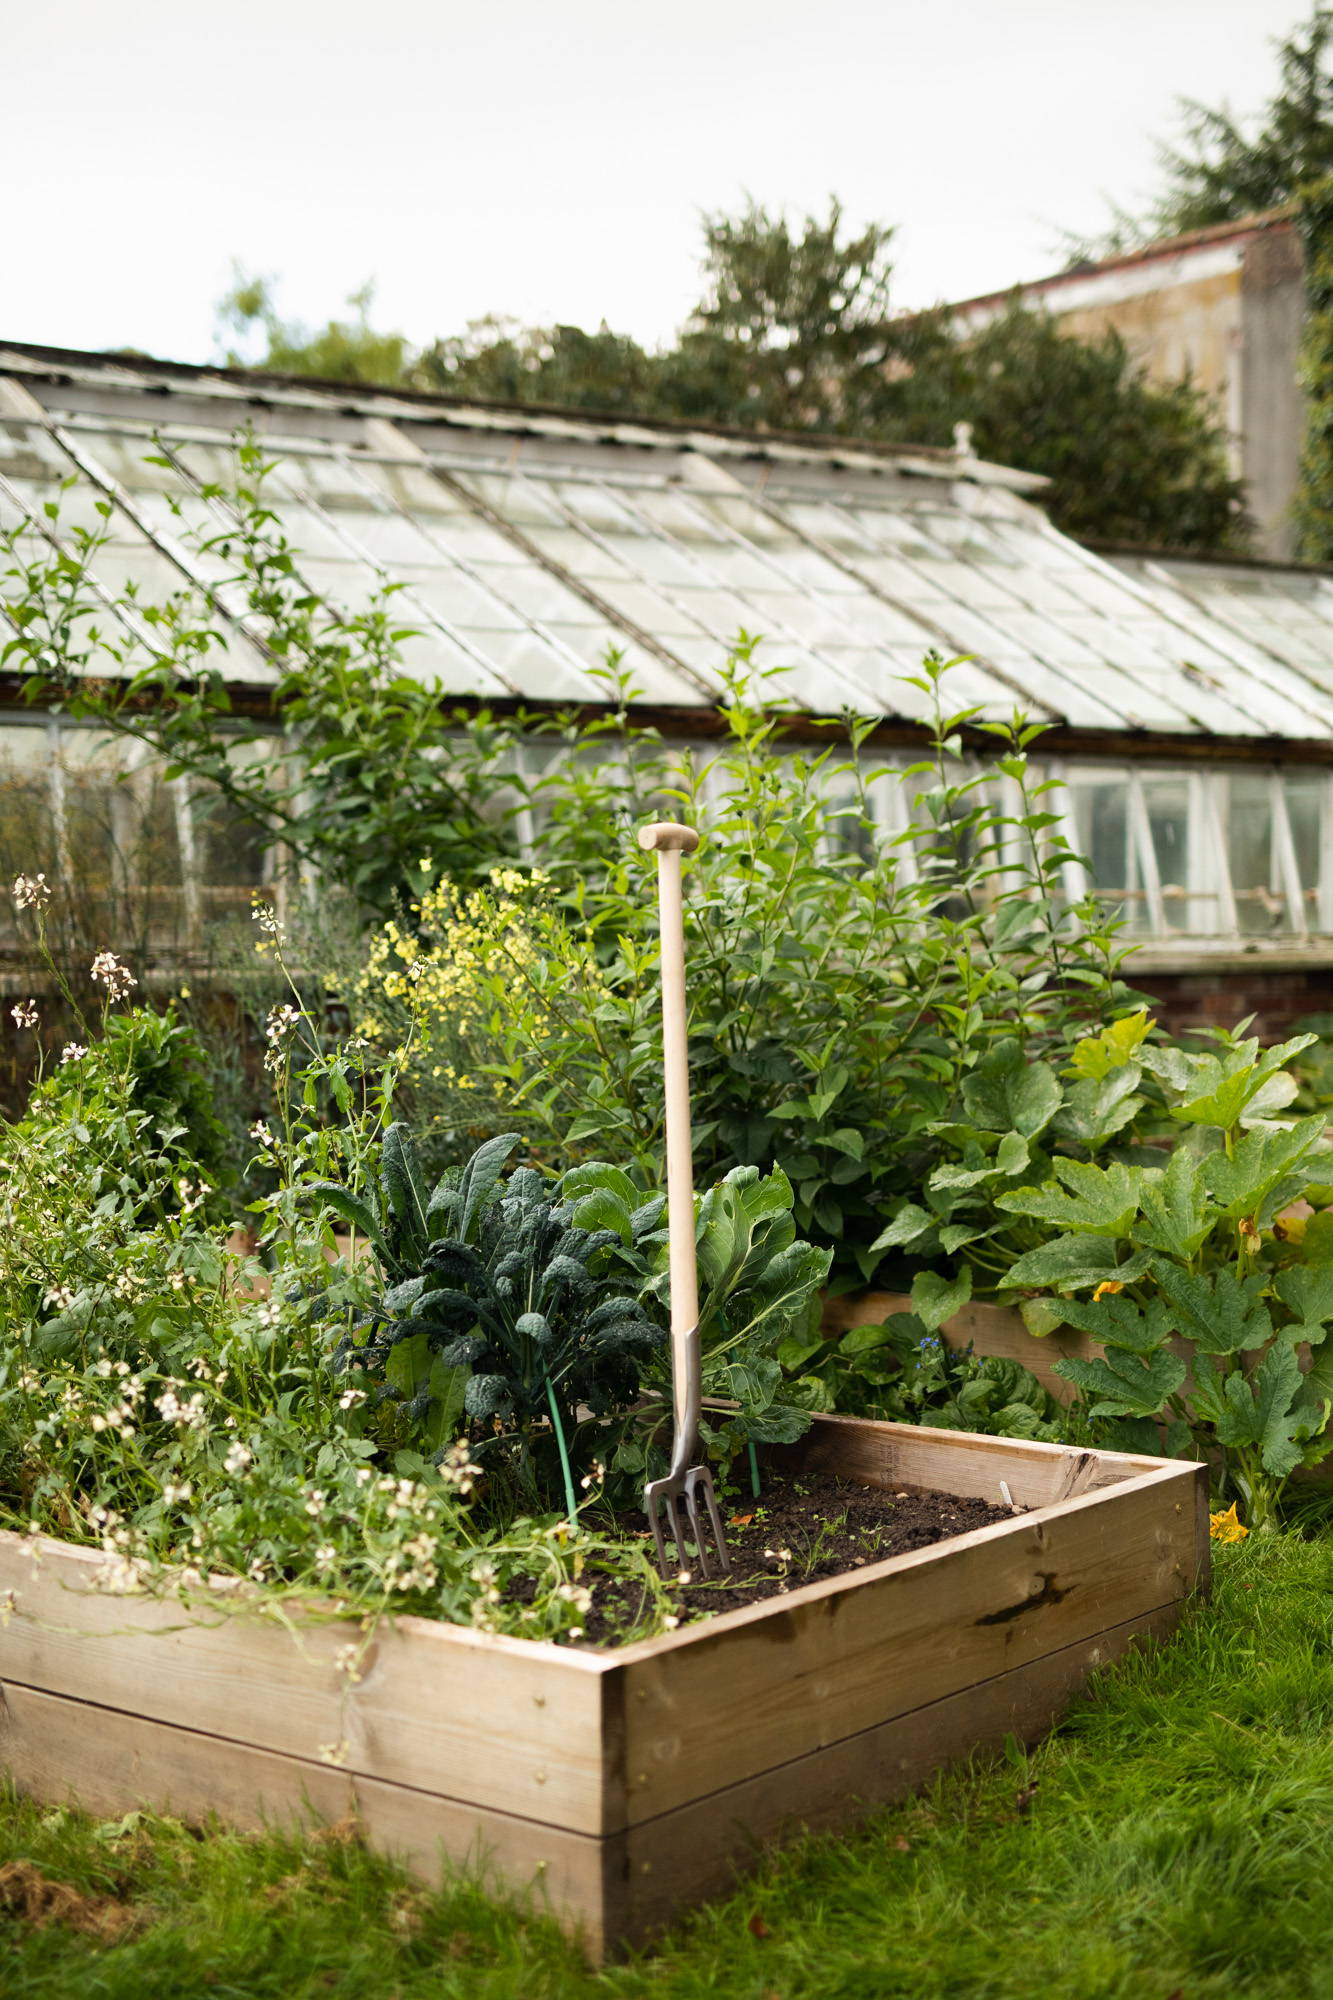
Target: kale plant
point(506, 1310)
point(517, 1309)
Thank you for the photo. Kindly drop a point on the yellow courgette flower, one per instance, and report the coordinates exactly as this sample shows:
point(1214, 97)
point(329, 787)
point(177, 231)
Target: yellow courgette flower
point(1227, 1527)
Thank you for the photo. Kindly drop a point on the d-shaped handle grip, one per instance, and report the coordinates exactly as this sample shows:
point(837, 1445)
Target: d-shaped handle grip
point(666, 836)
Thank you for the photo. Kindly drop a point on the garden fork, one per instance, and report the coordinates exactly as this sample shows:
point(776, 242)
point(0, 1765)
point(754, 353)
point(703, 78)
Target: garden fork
point(685, 1483)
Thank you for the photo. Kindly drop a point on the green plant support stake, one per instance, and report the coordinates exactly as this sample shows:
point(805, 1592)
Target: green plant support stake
point(754, 1469)
point(570, 1501)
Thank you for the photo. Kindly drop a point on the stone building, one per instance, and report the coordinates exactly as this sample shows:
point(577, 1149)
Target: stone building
point(1223, 306)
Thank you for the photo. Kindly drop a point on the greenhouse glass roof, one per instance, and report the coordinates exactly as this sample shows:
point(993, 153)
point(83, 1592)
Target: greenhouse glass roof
point(529, 543)
point(1282, 611)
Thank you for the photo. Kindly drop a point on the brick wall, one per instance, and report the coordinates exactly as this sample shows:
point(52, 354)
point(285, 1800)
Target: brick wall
point(1219, 999)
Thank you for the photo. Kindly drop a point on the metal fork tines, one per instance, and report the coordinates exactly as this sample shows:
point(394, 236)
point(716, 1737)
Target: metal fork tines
point(691, 1492)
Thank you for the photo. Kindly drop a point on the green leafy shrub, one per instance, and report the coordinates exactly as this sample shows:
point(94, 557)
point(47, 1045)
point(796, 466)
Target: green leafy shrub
point(839, 997)
point(139, 1098)
point(1014, 1116)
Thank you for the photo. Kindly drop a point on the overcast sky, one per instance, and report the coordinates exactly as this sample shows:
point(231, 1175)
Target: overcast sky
point(550, 160)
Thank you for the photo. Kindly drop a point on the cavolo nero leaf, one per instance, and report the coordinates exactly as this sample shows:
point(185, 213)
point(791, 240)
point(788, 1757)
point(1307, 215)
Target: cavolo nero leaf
point(479, 1180)
point(350, 1208)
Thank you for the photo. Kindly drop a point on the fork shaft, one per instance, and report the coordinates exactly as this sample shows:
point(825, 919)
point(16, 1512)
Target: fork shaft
point(686, 1484)
point(679, 1142)
point(687, 1390)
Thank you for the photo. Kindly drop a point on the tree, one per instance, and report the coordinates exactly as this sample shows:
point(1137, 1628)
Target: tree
point(796, 331)
point(1131, 460)
point(1313, 507)
point(340, 351)
point(1218, 172)
point(1222, 167)
point(503, 362)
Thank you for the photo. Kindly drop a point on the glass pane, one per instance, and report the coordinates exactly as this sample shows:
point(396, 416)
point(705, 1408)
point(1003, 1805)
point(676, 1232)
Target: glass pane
point(1167, 801)
point(27, 836)
point(229, 848)
point(1100, 810)
point(1306, 792)
point(1259, 905)
point(118, 840)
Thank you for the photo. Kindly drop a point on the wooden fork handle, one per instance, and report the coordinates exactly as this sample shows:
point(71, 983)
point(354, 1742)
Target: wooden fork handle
point(666, 836)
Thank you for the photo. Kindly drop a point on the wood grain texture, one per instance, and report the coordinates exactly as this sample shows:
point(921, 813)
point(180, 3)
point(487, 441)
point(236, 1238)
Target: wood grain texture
point(777, 1680)
point(893, 1456)
point(73, 1752)
point(513, 1723)
point(685, 1856)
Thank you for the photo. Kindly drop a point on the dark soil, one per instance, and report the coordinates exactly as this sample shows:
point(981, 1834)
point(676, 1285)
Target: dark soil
point(802, 1528)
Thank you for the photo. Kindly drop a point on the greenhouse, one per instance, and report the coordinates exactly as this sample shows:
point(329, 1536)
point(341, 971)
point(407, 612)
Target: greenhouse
point(1188, 704)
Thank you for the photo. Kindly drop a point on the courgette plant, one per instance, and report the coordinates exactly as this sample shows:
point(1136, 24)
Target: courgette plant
point(1202, 1295)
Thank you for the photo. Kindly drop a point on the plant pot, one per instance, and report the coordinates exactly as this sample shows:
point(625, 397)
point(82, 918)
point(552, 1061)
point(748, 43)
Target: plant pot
point(627, 1784)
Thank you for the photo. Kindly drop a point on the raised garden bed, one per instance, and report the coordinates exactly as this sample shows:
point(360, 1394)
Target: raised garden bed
point(628, 1784)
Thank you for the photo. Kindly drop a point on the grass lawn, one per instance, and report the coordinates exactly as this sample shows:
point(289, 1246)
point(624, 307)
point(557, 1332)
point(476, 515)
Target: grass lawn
point(1173, 1842)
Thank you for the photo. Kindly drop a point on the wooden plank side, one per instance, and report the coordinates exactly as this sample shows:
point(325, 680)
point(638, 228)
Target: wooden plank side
point(514, 1724)
point(694, 1852)
point(963, 1462)
point(62, 1751)
point(728, 1699)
